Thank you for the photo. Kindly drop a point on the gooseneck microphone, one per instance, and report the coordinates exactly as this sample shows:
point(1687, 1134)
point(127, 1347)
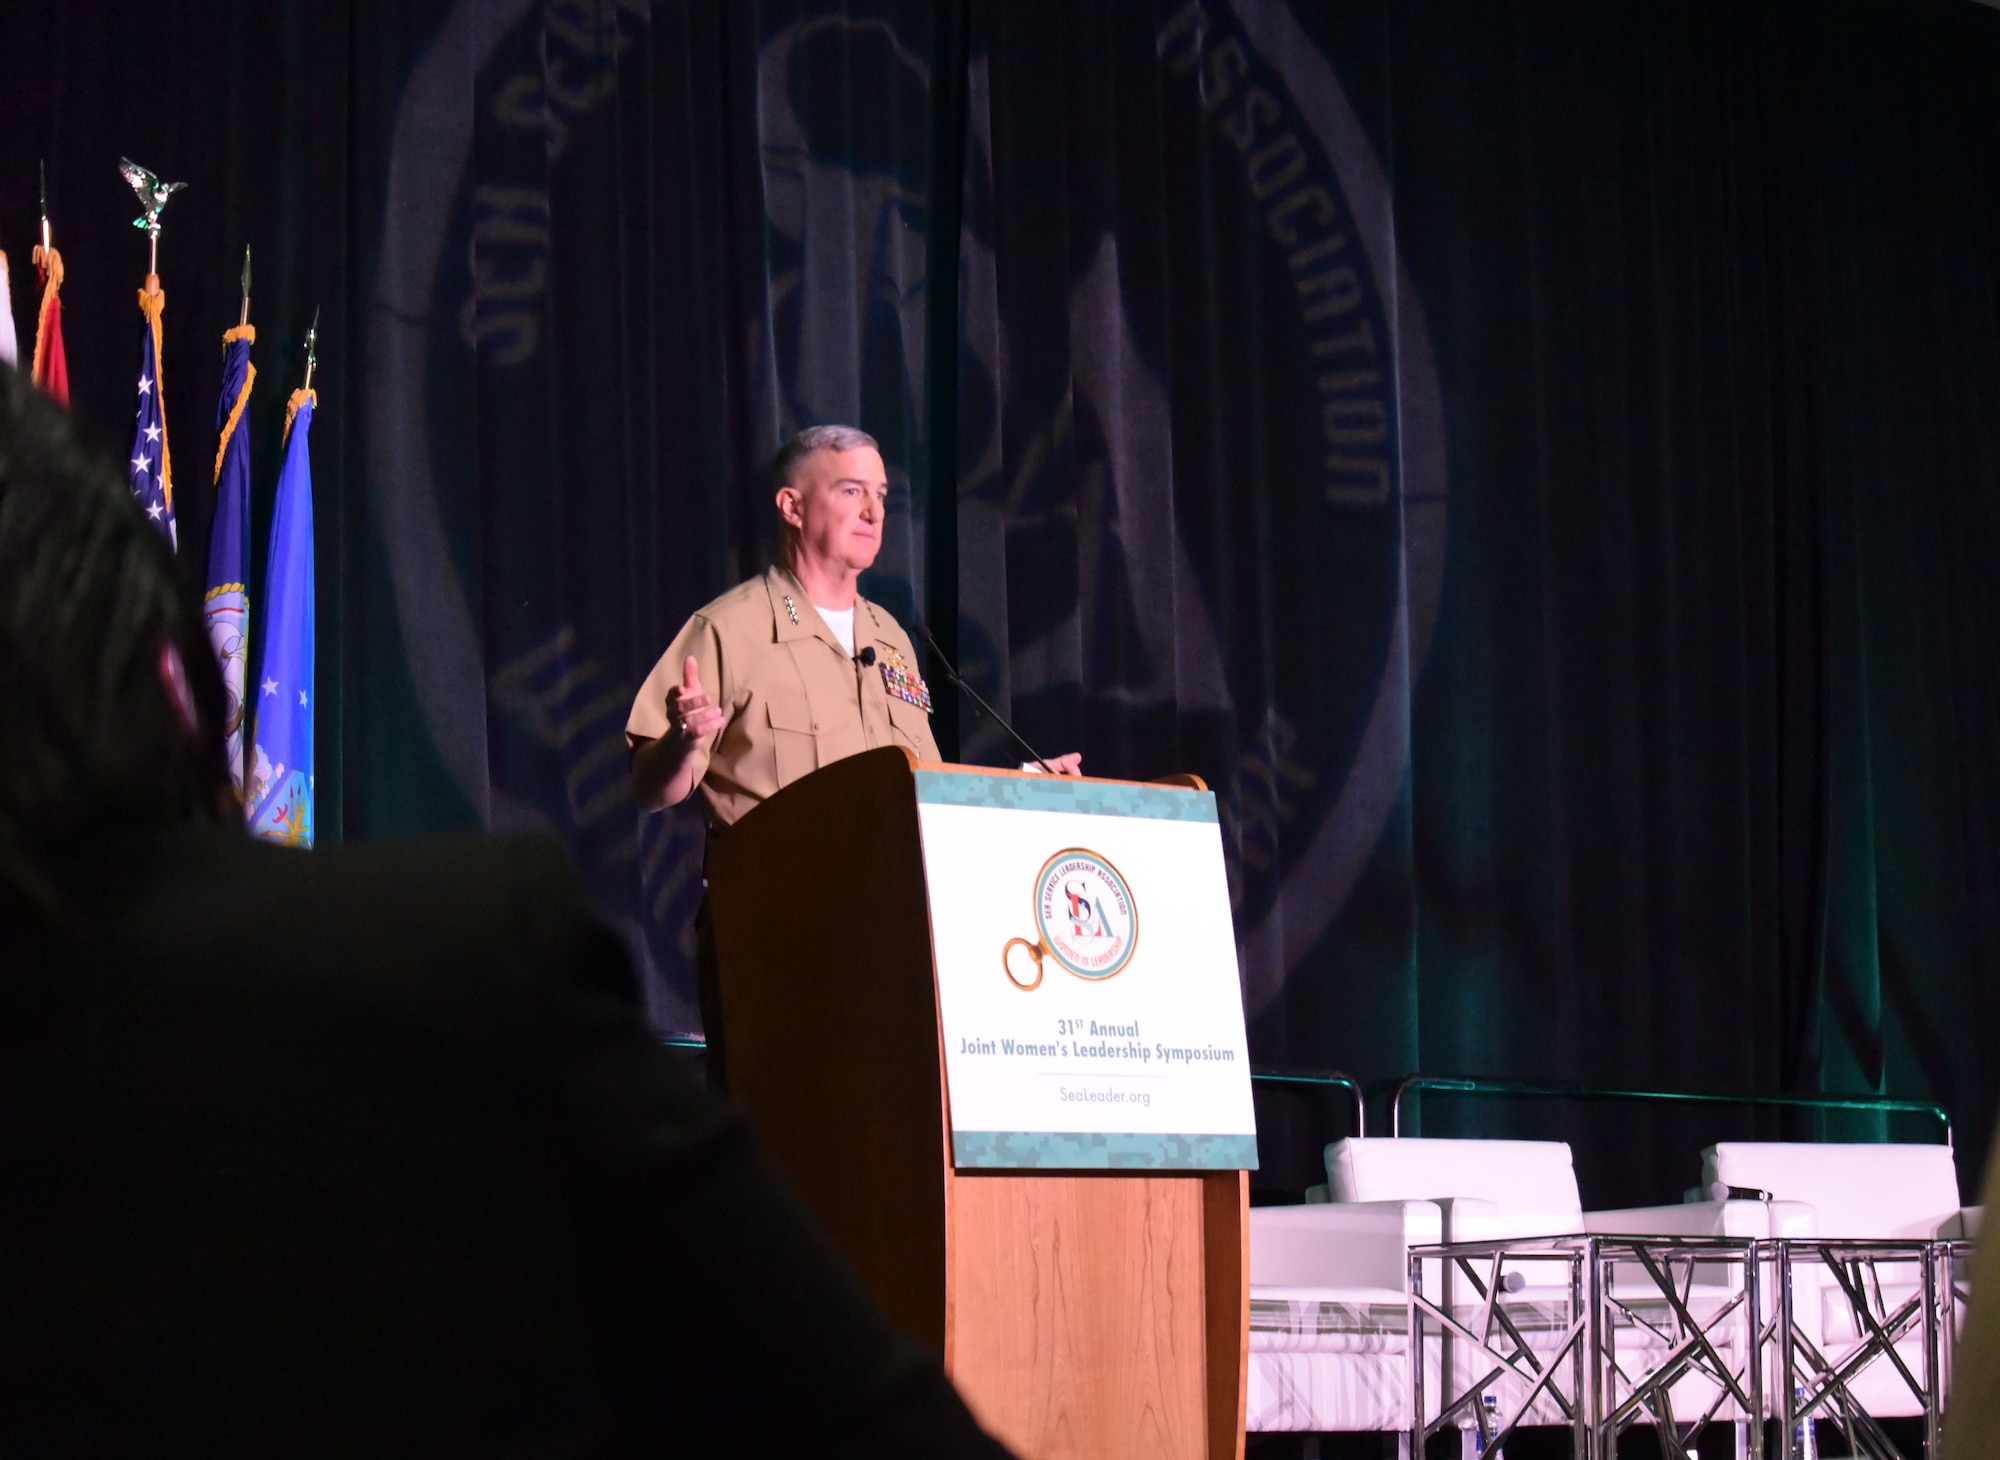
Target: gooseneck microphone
point(992, 714)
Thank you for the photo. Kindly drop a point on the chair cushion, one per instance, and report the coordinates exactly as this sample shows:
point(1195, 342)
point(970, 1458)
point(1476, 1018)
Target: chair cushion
point(1336, 1245)
point(1516, 1176)
point(1870, 1190)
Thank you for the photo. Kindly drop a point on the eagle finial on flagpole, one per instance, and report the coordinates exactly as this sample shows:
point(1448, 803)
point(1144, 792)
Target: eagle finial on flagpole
point(153, 195)
point(312, 335)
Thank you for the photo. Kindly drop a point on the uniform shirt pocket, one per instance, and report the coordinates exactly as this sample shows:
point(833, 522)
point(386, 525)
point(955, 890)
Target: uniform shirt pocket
point(910, 723)
point(794, 739)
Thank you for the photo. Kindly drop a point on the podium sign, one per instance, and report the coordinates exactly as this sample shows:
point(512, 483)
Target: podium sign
point(1086, 974)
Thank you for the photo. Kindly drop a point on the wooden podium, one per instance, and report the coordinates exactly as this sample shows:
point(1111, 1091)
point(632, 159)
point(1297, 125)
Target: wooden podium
point(1087, 1314)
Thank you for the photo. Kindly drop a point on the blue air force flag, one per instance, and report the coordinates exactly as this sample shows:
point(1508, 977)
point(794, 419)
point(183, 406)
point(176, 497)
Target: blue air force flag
point(279, 800)
point(226, 606)
point(152, 465)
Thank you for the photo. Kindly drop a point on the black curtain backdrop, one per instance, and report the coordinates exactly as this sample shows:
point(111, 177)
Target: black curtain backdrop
point(1538, 462)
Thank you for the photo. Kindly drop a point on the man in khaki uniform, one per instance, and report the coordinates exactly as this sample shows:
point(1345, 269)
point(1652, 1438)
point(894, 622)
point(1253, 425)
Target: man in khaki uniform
point(791, 671)
point(787, 672)
point(787, 692)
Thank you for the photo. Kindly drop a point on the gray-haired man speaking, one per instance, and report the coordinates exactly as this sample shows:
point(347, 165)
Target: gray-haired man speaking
point(790, 671)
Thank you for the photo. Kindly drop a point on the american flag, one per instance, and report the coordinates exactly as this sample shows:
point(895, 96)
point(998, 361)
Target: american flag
point(152, 467)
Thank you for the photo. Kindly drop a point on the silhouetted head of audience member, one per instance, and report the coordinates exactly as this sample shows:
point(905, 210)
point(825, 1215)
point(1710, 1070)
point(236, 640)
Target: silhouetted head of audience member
point(110, 699)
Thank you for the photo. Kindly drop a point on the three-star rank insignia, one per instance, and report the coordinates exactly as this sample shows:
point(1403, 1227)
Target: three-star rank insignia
point(904, 682)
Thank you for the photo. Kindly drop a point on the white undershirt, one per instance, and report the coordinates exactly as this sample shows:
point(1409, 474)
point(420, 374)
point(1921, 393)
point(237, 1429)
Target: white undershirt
point(841, 621)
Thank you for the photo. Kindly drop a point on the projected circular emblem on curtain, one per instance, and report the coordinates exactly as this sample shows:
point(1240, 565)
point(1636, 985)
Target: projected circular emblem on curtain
point(1199, 478)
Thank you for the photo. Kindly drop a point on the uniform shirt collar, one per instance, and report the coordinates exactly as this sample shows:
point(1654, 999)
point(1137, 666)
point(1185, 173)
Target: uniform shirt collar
point(783, 587)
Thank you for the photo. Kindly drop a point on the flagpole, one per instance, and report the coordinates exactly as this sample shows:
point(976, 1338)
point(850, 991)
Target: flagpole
point(312, 334)
point(244, 318)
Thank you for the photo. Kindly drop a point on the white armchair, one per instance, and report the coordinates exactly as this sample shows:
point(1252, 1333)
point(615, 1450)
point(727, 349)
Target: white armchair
point(1330, 1284)
point(1870, 1283)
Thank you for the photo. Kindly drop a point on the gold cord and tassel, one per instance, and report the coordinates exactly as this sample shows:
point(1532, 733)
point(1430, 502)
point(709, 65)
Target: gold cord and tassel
point(49, 261)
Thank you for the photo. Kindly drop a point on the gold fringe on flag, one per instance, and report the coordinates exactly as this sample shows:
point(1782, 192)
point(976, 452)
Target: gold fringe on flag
point(298, 398)
point(153, 301)
point(247, 332)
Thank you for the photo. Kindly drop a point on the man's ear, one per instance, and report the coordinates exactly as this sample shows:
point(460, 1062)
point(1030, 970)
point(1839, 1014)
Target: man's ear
point(788, 506)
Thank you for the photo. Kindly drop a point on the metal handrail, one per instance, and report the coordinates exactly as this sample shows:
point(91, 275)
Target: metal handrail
point(1332, 1079)
point(1481, 1085)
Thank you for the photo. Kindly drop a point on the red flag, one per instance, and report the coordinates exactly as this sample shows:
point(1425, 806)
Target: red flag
point(51, 367)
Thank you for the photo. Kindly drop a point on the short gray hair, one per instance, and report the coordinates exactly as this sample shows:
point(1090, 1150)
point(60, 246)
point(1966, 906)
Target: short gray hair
point(785, 465)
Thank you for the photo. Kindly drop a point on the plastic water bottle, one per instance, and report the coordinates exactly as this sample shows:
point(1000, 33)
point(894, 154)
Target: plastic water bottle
point(1489, 1405)
point(1805, 1443)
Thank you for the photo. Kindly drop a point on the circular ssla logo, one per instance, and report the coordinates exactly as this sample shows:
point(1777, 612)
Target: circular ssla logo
point(1086, 915)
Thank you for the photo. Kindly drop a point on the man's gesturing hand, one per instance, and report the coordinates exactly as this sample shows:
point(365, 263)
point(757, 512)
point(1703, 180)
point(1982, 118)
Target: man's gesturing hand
point(691, 715)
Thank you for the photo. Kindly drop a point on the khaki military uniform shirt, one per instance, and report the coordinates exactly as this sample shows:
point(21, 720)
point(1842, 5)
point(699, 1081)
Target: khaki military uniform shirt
point(794, 699)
